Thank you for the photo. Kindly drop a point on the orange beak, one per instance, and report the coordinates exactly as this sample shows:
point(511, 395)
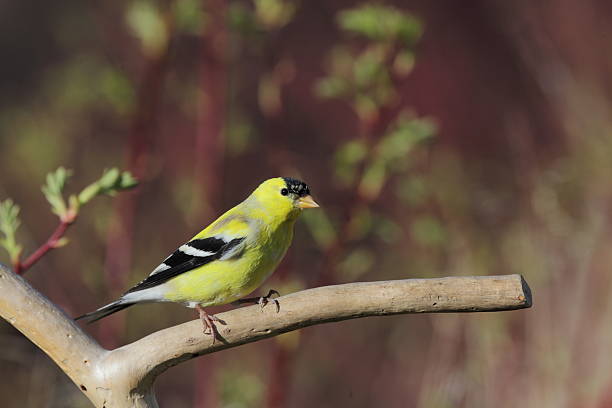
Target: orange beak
point(307, 202)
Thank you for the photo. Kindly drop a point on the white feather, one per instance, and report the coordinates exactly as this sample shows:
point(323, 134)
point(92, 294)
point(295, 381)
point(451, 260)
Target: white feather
point(162, 267)
point(154, 294)
point(189, 250)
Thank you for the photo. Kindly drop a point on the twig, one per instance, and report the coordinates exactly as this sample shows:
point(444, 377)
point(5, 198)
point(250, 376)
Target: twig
point(124, 377)
point(52, 242)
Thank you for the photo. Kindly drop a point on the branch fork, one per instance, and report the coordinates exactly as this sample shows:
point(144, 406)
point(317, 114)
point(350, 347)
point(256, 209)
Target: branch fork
point(124, 377)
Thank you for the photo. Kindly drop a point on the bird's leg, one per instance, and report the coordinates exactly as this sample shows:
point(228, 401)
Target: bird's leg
point(263, 300)
point(208, 322)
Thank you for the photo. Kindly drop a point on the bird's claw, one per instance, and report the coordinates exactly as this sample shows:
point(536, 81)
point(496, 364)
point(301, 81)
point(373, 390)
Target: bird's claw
point(263, 300)
point(208, 322)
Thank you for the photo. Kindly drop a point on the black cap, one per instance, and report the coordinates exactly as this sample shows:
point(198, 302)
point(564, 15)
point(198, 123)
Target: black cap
point(296, 186)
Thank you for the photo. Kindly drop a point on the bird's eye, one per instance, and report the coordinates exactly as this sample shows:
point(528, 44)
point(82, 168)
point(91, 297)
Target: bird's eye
point(284, 191)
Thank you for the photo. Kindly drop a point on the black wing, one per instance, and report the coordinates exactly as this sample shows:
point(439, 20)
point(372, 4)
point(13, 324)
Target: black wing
point(193, 254)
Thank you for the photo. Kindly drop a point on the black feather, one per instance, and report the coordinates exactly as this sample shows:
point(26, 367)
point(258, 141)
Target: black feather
point(165, 275)
point(297, 187)
point(104, 311)
point(190, 262)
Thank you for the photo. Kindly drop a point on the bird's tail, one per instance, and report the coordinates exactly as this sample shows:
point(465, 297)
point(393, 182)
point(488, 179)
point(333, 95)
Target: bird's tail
point(105, 311)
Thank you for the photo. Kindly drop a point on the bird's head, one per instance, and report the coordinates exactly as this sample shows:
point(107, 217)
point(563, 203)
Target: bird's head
point(284, 196)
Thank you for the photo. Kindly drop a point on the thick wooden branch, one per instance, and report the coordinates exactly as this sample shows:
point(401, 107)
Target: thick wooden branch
point(163, 349)
point(124, 377)
point(47, 326)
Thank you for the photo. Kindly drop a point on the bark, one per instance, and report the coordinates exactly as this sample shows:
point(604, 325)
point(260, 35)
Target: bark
point(124, 377)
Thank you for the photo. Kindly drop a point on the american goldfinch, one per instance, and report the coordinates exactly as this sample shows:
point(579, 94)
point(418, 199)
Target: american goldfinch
point(228, 259)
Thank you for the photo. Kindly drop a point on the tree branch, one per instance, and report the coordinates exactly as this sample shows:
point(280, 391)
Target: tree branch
point(47, 326)
point(124, 377)
point(165, 348)
point(52, 242)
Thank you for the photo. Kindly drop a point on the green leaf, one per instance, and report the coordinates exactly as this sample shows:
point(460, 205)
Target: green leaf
point(273, 14)
point(369, 67)
point(404, 135)
point(413, 191)
point(388, 230)
point(403, 63)
point(116, 89)
point(127, 181)
point(381, 23)
point(239, 389)
point(374, 178)
point(147, 24)
point(63, 241)
point(366, 107)
point(332, 87)
point(9, 223)
point(241, 19)
point(347, 158)
point(110, 183)
point(240, 136)
point(321, 228)
point(189, 16)
point(56, 181)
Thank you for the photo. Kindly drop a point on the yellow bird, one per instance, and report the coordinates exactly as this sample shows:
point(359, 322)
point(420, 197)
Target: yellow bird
point(228, 259)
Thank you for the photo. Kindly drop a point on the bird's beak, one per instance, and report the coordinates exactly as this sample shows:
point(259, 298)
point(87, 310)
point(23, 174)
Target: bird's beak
point(307, 202)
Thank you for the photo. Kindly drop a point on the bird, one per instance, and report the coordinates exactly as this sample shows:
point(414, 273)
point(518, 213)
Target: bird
point(227, 260)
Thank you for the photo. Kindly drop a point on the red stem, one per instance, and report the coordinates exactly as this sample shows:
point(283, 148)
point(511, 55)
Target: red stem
point(51, 243)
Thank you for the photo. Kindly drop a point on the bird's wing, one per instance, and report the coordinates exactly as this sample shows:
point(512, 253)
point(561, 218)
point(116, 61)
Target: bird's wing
point(195, 253)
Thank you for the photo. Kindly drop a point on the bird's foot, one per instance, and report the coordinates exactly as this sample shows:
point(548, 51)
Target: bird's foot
point(208, 322)
point(263, 300)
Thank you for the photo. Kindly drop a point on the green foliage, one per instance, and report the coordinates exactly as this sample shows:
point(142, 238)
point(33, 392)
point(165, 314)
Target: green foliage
point(388, 156)
point(388, 230)
point(241, 19)
point(403, 63)
point(71, 88)
point(365, 75)
point(274, 14)
point(240, 136)
point(403, 136)
point(56, 181)
point(332, 87)
point(412, 190)
point(189, 16)
point(362, 77)
point(347, 158)
point(240, 390)
point(378, 22)
point(116, 89)
point(267, 15)
point(147, 24)
point(364, 71)
point(392, 151)
point(110, 183)
point(9, 223)
point(321, 227)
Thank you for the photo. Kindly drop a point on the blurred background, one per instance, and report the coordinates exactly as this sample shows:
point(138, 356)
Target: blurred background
point(441, 138)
